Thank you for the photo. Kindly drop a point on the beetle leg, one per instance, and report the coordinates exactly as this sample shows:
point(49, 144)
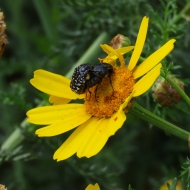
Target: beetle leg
point(96, 89)
point(89, 93)
point(111, 82)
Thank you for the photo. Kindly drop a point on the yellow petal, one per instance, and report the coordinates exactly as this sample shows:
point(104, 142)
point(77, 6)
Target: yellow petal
point(127, 100)
point(53, 84)
point(104, 48)
point(71, 145)
point(63, 126)
point(109, 50)
point(139, 43)
point(111, 57)
point(116, 121)
point(93, 187)
point(146, 81)
point(55, 114)
point(122, 51)
point(95, 138)
point(58, 101)
point(154, 59)
point(89, 138)
point(100, 131)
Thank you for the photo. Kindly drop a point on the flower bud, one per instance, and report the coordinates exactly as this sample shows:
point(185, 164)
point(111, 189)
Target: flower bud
point(119, 41)
point(164, 93)
point(185, 13)
point(3, 36)
point(2, 187)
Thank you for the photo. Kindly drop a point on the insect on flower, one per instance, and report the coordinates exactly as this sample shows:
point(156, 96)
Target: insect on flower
point(86, 76)
point(94, 123)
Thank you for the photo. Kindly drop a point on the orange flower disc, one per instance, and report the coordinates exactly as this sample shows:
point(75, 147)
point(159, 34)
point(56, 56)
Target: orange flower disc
point(106, 100)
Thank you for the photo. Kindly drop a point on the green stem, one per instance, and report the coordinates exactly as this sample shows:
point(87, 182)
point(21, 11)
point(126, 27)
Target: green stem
point(43, 13)
point(91, 53)
point(159, 122)
point(180, 15)
point(180, 91)
point(15, 138)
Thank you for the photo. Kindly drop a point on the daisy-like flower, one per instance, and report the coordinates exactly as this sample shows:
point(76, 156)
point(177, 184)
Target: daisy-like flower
point(93, 187)
point(97, 119)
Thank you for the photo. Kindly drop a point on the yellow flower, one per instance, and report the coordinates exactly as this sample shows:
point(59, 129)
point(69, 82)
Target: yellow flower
point(93, 187)
point(96, 120)
point(164, 186)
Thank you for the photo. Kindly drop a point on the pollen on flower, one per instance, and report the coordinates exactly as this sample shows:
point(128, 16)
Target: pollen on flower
point(106, 100)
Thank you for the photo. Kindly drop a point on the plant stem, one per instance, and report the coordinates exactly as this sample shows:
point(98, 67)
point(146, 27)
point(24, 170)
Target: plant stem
point(91, 53)
point(159, 122)
point(43, 13)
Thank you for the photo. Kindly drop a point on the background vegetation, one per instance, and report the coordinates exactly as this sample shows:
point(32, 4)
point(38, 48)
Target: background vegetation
point(53, 35)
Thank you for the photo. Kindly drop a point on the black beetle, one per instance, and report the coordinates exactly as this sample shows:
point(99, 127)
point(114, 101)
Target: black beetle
point(86, 76)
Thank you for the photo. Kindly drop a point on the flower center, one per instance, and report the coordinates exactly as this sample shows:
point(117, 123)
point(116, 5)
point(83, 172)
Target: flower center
point(104, 101)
